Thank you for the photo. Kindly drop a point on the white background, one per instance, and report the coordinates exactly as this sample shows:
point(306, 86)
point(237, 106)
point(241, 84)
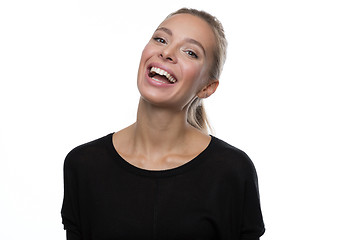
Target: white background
point(289, 97)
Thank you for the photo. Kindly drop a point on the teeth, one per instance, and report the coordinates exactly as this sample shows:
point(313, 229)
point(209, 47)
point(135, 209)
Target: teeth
point(163, 73)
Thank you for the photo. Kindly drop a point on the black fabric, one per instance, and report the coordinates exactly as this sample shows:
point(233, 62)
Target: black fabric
point(214, 196)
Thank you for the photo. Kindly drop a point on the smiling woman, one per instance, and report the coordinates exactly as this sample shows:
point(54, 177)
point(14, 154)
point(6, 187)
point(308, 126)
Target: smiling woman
point(165, 177)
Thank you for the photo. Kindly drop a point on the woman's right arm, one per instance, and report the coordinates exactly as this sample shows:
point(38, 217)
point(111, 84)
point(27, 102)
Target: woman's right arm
point(70, 209)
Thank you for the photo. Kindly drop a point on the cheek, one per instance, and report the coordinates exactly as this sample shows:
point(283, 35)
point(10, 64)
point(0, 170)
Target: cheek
point(192, 70)
point(196, 74)
point(145, 55)
point(148, 51)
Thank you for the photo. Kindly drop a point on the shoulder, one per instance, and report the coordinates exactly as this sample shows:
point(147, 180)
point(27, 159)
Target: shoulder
point(87, 151)
point(231, 158)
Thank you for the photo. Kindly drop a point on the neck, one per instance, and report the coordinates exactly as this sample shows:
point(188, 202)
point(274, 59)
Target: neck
point(160, 128)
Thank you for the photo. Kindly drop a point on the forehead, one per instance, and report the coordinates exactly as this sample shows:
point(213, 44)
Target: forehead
point(190, 26)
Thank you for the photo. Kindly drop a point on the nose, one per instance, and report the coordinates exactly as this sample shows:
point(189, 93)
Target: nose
point(168, 54)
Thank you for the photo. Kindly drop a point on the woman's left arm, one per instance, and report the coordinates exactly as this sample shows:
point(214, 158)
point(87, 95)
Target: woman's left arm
point(252, 221)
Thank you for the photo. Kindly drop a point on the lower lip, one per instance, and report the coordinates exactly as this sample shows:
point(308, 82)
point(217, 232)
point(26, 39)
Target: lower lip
point(157, 83)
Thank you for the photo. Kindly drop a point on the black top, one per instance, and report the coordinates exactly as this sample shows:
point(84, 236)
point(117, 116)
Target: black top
point(214, 196)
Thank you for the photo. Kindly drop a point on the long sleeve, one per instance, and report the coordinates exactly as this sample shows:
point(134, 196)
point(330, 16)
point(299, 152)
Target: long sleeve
point(252, 225)
point(70, 208)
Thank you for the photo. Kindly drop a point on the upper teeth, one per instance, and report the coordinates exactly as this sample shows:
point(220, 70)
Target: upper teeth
point(163, 73)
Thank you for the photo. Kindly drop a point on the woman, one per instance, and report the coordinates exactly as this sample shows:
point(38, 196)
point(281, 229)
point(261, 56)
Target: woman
point(164, 177)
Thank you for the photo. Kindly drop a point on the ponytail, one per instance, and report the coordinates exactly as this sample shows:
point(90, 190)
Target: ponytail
point(196, 116)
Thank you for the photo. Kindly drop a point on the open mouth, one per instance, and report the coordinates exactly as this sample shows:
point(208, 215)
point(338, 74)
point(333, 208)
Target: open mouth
point(161, 75)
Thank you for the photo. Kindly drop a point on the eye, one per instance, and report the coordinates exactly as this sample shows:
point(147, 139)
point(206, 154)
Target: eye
point(160, 40)
point(191, 54)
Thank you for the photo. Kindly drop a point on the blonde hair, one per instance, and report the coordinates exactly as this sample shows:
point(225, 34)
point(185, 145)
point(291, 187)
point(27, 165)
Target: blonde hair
point(196, 115)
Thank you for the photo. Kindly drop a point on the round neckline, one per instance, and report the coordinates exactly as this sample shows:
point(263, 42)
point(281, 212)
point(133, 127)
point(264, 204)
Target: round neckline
point(160, 173)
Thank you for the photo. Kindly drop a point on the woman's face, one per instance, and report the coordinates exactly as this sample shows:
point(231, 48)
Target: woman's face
point(175, 64)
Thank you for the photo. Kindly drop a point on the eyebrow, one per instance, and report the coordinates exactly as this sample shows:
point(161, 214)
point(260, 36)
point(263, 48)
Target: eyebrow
point(189, 40)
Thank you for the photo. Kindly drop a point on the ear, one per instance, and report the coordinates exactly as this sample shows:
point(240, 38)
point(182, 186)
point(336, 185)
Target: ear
point(209, 89)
